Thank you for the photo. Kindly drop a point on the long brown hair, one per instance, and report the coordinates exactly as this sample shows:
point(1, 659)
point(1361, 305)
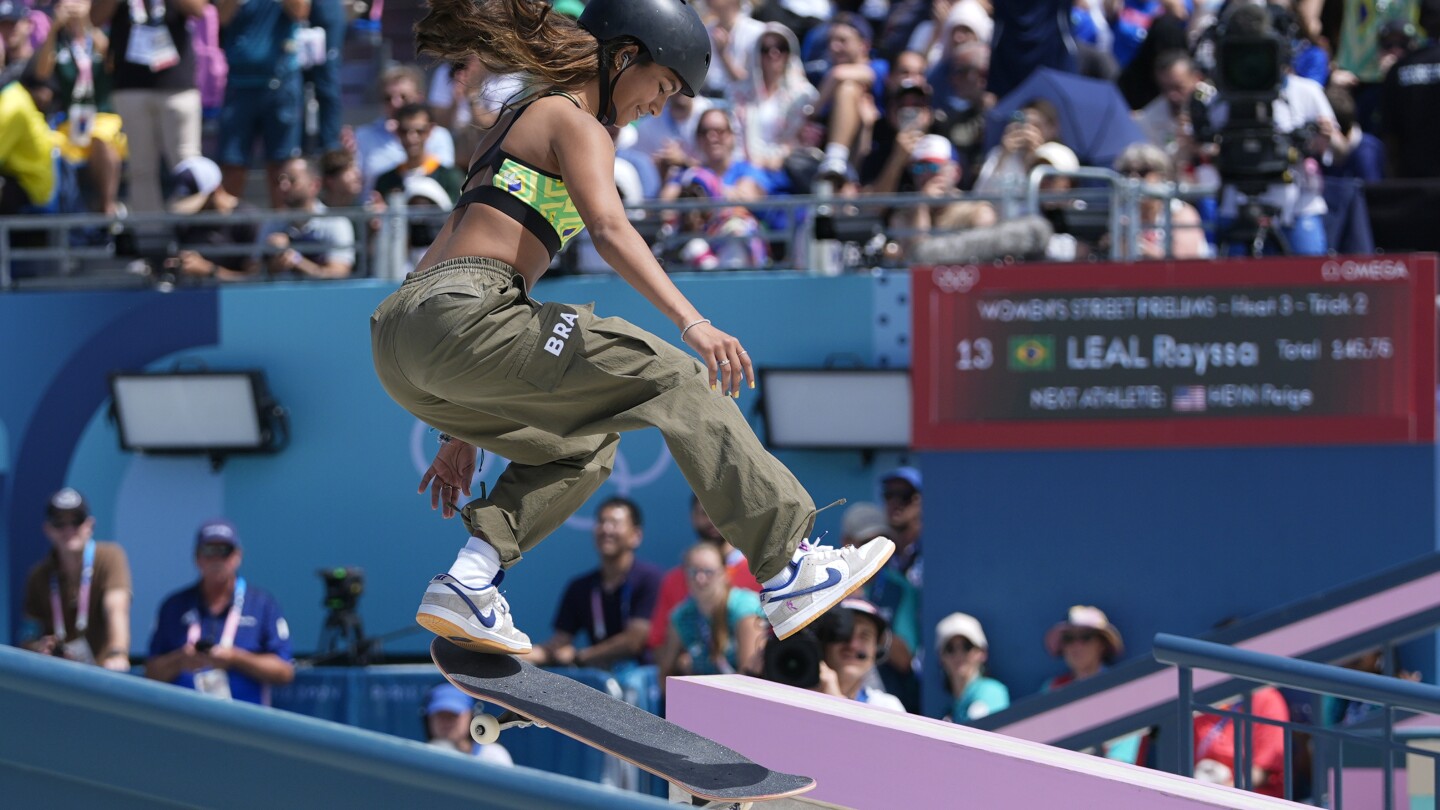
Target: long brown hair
point(719, 618)
point(511, 36)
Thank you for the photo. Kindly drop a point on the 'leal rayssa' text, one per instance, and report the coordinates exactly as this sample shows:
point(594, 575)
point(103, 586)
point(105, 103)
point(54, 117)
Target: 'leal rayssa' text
point(1100, 352)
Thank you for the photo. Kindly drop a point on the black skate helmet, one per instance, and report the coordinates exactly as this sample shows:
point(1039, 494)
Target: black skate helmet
point(670, 30)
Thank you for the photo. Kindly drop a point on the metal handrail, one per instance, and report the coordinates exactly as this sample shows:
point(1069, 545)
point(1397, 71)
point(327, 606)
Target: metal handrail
point(1389, 693)
point(1280, 671)
point(1123, 196)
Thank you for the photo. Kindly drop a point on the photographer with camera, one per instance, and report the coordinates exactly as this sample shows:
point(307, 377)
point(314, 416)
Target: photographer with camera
point(837, 655)
point(1273, 130)
point(221, 636)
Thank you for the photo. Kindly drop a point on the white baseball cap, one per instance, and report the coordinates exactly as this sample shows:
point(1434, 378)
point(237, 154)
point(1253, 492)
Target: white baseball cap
point(963, 625)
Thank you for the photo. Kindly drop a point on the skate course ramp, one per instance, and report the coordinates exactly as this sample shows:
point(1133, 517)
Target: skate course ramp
point(871, 759)
point(79, 736)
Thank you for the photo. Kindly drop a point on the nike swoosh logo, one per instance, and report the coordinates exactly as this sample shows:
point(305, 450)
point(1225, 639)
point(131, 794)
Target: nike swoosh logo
point(832, 578)
point(487, 619)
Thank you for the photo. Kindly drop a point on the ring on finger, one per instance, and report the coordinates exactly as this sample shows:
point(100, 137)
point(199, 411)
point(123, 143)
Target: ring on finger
point(724, 362)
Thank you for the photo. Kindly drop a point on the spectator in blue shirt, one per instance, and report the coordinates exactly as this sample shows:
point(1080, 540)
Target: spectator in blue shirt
point(262, 93)
point(221, 636)
point(604, 616)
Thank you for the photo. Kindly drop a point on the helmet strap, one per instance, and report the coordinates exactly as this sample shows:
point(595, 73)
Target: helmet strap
point(608, 113)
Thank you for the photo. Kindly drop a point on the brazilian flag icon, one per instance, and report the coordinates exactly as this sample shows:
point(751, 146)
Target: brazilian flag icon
point(1032, 352)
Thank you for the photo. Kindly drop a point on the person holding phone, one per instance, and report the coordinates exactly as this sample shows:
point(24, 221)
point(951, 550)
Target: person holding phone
point(908, 117)
point(221, 636)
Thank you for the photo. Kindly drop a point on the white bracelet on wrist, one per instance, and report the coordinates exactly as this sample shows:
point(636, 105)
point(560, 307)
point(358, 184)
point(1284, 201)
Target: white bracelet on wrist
point(684, 331)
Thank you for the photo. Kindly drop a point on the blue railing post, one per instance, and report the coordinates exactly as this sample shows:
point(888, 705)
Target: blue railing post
point(1186, 748)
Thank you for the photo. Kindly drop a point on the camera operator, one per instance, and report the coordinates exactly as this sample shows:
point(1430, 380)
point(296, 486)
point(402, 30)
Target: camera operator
point(836, 656)
point(1274, 129)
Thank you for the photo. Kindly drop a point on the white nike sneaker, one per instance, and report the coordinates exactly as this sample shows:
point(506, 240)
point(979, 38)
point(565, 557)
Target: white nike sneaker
point(475, 618)
point(821, 576)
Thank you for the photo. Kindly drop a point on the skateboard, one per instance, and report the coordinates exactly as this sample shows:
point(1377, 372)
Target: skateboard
point(707, 770)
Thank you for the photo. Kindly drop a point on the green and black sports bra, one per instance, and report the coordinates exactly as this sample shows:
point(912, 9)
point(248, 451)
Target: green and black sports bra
point(527, 194)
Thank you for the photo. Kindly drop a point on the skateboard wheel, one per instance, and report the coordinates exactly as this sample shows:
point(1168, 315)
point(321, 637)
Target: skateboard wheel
point(484, 729)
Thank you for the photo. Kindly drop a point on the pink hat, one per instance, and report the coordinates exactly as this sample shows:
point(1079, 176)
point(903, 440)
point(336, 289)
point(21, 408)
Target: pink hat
point(1086, 617)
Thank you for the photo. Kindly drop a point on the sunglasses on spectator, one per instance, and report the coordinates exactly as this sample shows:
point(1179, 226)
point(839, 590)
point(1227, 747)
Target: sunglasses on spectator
point(958, 644)
point(66, 523)
point(712, 131)
point(904, 495)
point(926, 167)
point(215, 551)
point(1138, 171)
point(697, 573)
point(1078, 635)
point(771, 50)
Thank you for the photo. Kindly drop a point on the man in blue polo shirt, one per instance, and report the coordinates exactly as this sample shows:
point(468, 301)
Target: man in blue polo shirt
point(221, 636)
point(609, 608)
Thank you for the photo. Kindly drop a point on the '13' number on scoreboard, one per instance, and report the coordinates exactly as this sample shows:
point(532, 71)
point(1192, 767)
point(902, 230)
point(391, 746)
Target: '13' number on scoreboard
point(974, 355)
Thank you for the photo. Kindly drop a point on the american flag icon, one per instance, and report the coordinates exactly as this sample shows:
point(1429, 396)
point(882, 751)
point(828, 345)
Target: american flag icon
point(1188, 399)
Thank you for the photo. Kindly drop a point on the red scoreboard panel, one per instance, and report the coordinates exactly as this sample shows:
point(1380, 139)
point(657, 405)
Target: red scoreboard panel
point(1287, 351)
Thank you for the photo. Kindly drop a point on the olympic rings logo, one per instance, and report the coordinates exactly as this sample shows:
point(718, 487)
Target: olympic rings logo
point(625, 481)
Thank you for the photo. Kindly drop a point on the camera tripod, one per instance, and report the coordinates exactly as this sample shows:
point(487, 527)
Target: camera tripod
point(1256, 224)
point(342, 639)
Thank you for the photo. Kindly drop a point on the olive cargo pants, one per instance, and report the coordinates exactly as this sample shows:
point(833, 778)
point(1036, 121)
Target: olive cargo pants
point(550, 387)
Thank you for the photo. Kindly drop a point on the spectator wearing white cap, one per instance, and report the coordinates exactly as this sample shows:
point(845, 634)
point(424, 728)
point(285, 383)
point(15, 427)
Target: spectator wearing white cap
point(222, 251)
point(958, 22)
point(77, 599)
point(934, 172)
point(963, 653)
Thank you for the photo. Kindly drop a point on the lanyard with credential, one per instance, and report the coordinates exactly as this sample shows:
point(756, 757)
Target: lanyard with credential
point(597, 612)
point(232, 620)
point(140, 15)
point(82, 602)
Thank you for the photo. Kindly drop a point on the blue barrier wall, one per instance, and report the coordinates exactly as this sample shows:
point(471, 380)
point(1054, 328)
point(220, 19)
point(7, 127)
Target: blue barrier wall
point(78, 736)
point(343, 492)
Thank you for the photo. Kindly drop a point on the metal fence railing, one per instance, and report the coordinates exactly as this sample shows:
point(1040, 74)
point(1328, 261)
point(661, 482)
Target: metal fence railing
point(1390, 696)
point(817, 233)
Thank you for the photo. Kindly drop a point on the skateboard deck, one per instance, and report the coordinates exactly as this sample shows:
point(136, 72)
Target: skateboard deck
point(695, 764)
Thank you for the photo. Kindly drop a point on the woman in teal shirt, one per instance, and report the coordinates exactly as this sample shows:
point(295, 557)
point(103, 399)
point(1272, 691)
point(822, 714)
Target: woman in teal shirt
point(717, 626)
point(963, 652)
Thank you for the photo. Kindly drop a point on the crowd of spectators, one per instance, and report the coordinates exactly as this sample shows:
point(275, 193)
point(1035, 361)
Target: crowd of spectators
point(103, 103)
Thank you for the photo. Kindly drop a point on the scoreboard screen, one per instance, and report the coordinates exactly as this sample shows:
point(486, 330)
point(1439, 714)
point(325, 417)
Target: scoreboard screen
point(1243, 352)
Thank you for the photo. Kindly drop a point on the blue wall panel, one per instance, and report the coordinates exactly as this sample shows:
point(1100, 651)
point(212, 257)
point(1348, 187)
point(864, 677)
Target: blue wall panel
point(1161, 540)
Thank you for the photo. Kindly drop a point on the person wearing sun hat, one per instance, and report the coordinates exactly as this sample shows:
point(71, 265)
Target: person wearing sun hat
point(963, 649)
point(1089, 643)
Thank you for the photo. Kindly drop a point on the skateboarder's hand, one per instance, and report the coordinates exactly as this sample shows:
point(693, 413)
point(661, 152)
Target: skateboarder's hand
point(727, 361)
point(449, 474)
